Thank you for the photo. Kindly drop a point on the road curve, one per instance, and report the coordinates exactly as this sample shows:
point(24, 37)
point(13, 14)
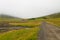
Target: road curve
point(48, 32)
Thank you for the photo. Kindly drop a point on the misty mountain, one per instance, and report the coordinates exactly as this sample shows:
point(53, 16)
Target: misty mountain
point(54, 15)
point(7, 16)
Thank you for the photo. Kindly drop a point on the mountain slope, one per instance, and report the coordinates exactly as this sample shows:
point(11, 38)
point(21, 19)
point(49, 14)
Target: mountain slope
point(6, 16)
point(55, 15)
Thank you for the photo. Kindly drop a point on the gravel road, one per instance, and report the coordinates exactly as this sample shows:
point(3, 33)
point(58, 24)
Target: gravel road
point(49, 32)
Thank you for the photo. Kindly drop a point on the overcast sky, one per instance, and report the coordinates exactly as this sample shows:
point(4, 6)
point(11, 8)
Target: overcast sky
point(29, 8)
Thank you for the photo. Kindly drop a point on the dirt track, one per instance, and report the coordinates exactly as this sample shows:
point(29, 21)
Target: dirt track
point(49, 32)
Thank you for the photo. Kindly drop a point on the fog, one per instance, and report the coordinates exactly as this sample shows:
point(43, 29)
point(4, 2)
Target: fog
point(29, 8)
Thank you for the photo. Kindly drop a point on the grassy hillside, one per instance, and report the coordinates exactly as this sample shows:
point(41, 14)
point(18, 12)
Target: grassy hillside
point(4, 17)
point(52, 16)
point(55, 21)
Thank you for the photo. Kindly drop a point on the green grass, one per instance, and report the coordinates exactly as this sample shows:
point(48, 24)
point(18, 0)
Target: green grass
point(55, 21)
point(17, 22)
point(22, 34)
point(29, 23)
point(27, 33)
point(10, 20)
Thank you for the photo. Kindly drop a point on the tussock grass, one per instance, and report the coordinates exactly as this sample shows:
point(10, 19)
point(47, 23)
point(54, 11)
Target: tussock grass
point(31, 23)
point(55, 21)
point(22, 34)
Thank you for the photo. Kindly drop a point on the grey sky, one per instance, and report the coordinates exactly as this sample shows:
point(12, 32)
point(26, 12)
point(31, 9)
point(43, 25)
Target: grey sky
point(29, 8)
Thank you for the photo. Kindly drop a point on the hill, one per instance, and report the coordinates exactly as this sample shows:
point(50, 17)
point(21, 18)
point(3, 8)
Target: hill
point(54, 15)
point(4, 17)
point(5, 20)
point(7, 16)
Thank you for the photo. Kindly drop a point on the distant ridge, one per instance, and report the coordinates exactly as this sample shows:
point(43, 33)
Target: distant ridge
point(54, 15)
point(7, 16)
